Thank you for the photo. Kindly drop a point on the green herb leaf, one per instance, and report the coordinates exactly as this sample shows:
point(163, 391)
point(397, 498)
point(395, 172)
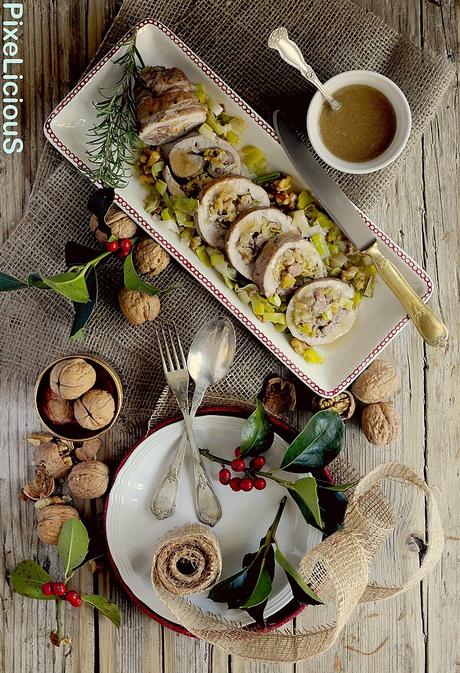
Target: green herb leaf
point(133, 281)
point(256, 433)
point(28, 578)
point(83, 312)
point(306, 490)
point(106, 607)
point(71, 284)
point(317, 445)
point(72, 544)
point(300, 589)
point(9, 283)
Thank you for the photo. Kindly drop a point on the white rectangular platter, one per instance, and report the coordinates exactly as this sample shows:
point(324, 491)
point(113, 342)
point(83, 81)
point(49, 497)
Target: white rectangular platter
point(379, 319)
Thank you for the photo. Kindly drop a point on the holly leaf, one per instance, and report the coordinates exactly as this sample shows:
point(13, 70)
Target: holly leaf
point(133, 281)
point(317, 445)
point(106, 607)
point(83, 312)
point(256, 433)
point(98, 203)
point(230, 590)
point(306, 490)
point(333, 506)
point(70, 284)
point(78, 255)
point(35, 280)
point(9, 283)
point(300, 589)
point(28, 578)
point(72, 544)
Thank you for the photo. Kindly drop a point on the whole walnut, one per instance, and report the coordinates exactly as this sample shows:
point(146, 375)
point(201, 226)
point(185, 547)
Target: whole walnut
point(120, 225)
point(138, 307)
point(89, 449)
point(89, 480)
point(95, 409)
point(72, 378)
point(377, 383)
point(279, 396)
point(150, 257)
point(54, 457)
point(51, 520)
point(57, 409)
point(380, 423)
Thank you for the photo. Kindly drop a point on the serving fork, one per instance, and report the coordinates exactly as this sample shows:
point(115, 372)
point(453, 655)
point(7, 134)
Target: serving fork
point(177, 377)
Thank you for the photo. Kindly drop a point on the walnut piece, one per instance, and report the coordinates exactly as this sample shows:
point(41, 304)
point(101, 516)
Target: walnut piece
point(279, 396)
point(71, 378)
point(89, 480)
point(51, 519)
point(377, 383)
point(343, 403)
point(120, 224)
point(55, 459)
point(150, 257)
point(89, 449)
point(138, 307)
point(380, 423)
point(41, 486)
point(57, 409)
point(37, 438)
point(95, 409)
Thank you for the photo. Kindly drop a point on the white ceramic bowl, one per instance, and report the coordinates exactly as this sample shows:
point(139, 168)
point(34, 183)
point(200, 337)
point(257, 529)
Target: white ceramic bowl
point(397, 99)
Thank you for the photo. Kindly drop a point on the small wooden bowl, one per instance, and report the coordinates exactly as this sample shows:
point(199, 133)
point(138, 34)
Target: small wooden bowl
point(106, 379)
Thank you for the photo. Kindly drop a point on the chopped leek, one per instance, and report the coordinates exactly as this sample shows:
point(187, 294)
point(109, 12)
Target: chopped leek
point(161, 187)
point(320, 244)
point(157, 167)
point(206, 131)
point(304, 199)
point(203, 255)
point(232, 137)
point(311, 356)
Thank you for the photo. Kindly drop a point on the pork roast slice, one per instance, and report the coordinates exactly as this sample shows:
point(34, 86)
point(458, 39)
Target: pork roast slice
point(165, 118)
point(158, 80)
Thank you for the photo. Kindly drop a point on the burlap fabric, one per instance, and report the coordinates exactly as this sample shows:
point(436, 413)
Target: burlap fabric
point(337, 569)
point(334, 35)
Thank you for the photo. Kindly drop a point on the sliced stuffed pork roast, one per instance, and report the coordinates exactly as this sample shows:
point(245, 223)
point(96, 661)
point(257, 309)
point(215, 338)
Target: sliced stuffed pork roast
point(286, 262)
point(250, 232)
point(221, 202)
point(321, 311)
point(166, 107)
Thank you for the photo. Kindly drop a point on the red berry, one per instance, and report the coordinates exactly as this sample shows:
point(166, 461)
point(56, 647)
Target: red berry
point(237, 452)
point(112, 246)
point(235, 484)
point(247, 484)
point(125, 244)
point(74, 598)
point(225, 476)
point(238, 465)
point(260, 483)
point(257, 463)
point(123, 253)
point(59, 588)
point(48, 589)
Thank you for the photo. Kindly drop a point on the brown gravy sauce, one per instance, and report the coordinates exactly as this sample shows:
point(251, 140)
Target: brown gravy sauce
point(363, 128)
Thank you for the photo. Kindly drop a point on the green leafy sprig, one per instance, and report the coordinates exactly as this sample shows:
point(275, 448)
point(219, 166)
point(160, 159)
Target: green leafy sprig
point(29, 577)
point(113, 139)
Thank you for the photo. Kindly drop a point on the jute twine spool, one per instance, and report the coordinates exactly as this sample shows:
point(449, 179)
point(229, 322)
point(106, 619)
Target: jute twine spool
point(337, 569)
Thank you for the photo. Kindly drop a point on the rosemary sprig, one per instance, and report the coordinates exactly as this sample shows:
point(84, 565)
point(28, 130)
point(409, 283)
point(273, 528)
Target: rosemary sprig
point(114, 138)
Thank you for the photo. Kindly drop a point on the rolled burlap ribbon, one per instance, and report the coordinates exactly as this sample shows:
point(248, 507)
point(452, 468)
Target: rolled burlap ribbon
point(337, 569)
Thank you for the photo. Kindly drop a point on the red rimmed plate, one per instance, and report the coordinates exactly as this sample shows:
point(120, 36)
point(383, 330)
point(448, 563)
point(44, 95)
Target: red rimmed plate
point(132, 531)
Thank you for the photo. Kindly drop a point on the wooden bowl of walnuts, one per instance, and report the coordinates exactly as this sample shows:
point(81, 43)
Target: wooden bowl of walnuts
point(78, 397)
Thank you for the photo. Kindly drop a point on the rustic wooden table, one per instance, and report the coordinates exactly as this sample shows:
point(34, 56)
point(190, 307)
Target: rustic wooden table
point(412, 633)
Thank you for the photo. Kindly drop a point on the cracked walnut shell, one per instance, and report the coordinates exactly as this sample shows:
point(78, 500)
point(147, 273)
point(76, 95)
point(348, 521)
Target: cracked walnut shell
point(377, 383)
point(95, 409)
point(51, 519)
point(120, 225)
point(380, 423)
point(279, 396)
point(89, 449)
point(138, 307)
point(72, 378)
point(54, 457)
point(150, 257)
point(89, 480)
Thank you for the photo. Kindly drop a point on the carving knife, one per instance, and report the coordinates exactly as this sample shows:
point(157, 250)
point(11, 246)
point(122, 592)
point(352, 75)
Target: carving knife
point(343, 212)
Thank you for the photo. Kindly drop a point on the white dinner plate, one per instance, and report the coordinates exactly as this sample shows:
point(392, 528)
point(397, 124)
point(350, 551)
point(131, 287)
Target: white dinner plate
point(132, 531)
point(379, 319)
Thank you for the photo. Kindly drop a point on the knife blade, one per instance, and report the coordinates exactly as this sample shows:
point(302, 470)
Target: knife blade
point(328, 193)
point(345, 215)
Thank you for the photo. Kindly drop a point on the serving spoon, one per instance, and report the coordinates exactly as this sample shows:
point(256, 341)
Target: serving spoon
point(210, 357)
point(290, 52)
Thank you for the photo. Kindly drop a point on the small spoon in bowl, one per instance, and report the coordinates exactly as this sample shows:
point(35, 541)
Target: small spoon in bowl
point(290, 52)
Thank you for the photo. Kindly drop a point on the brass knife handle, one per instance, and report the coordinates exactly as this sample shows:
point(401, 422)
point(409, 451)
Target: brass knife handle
point(432, 329)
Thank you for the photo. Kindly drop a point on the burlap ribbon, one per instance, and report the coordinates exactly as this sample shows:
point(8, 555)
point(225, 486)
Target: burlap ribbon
point(337, 569)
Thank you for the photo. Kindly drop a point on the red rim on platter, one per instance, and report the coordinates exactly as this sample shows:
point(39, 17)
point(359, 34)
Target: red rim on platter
point(279, 618)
